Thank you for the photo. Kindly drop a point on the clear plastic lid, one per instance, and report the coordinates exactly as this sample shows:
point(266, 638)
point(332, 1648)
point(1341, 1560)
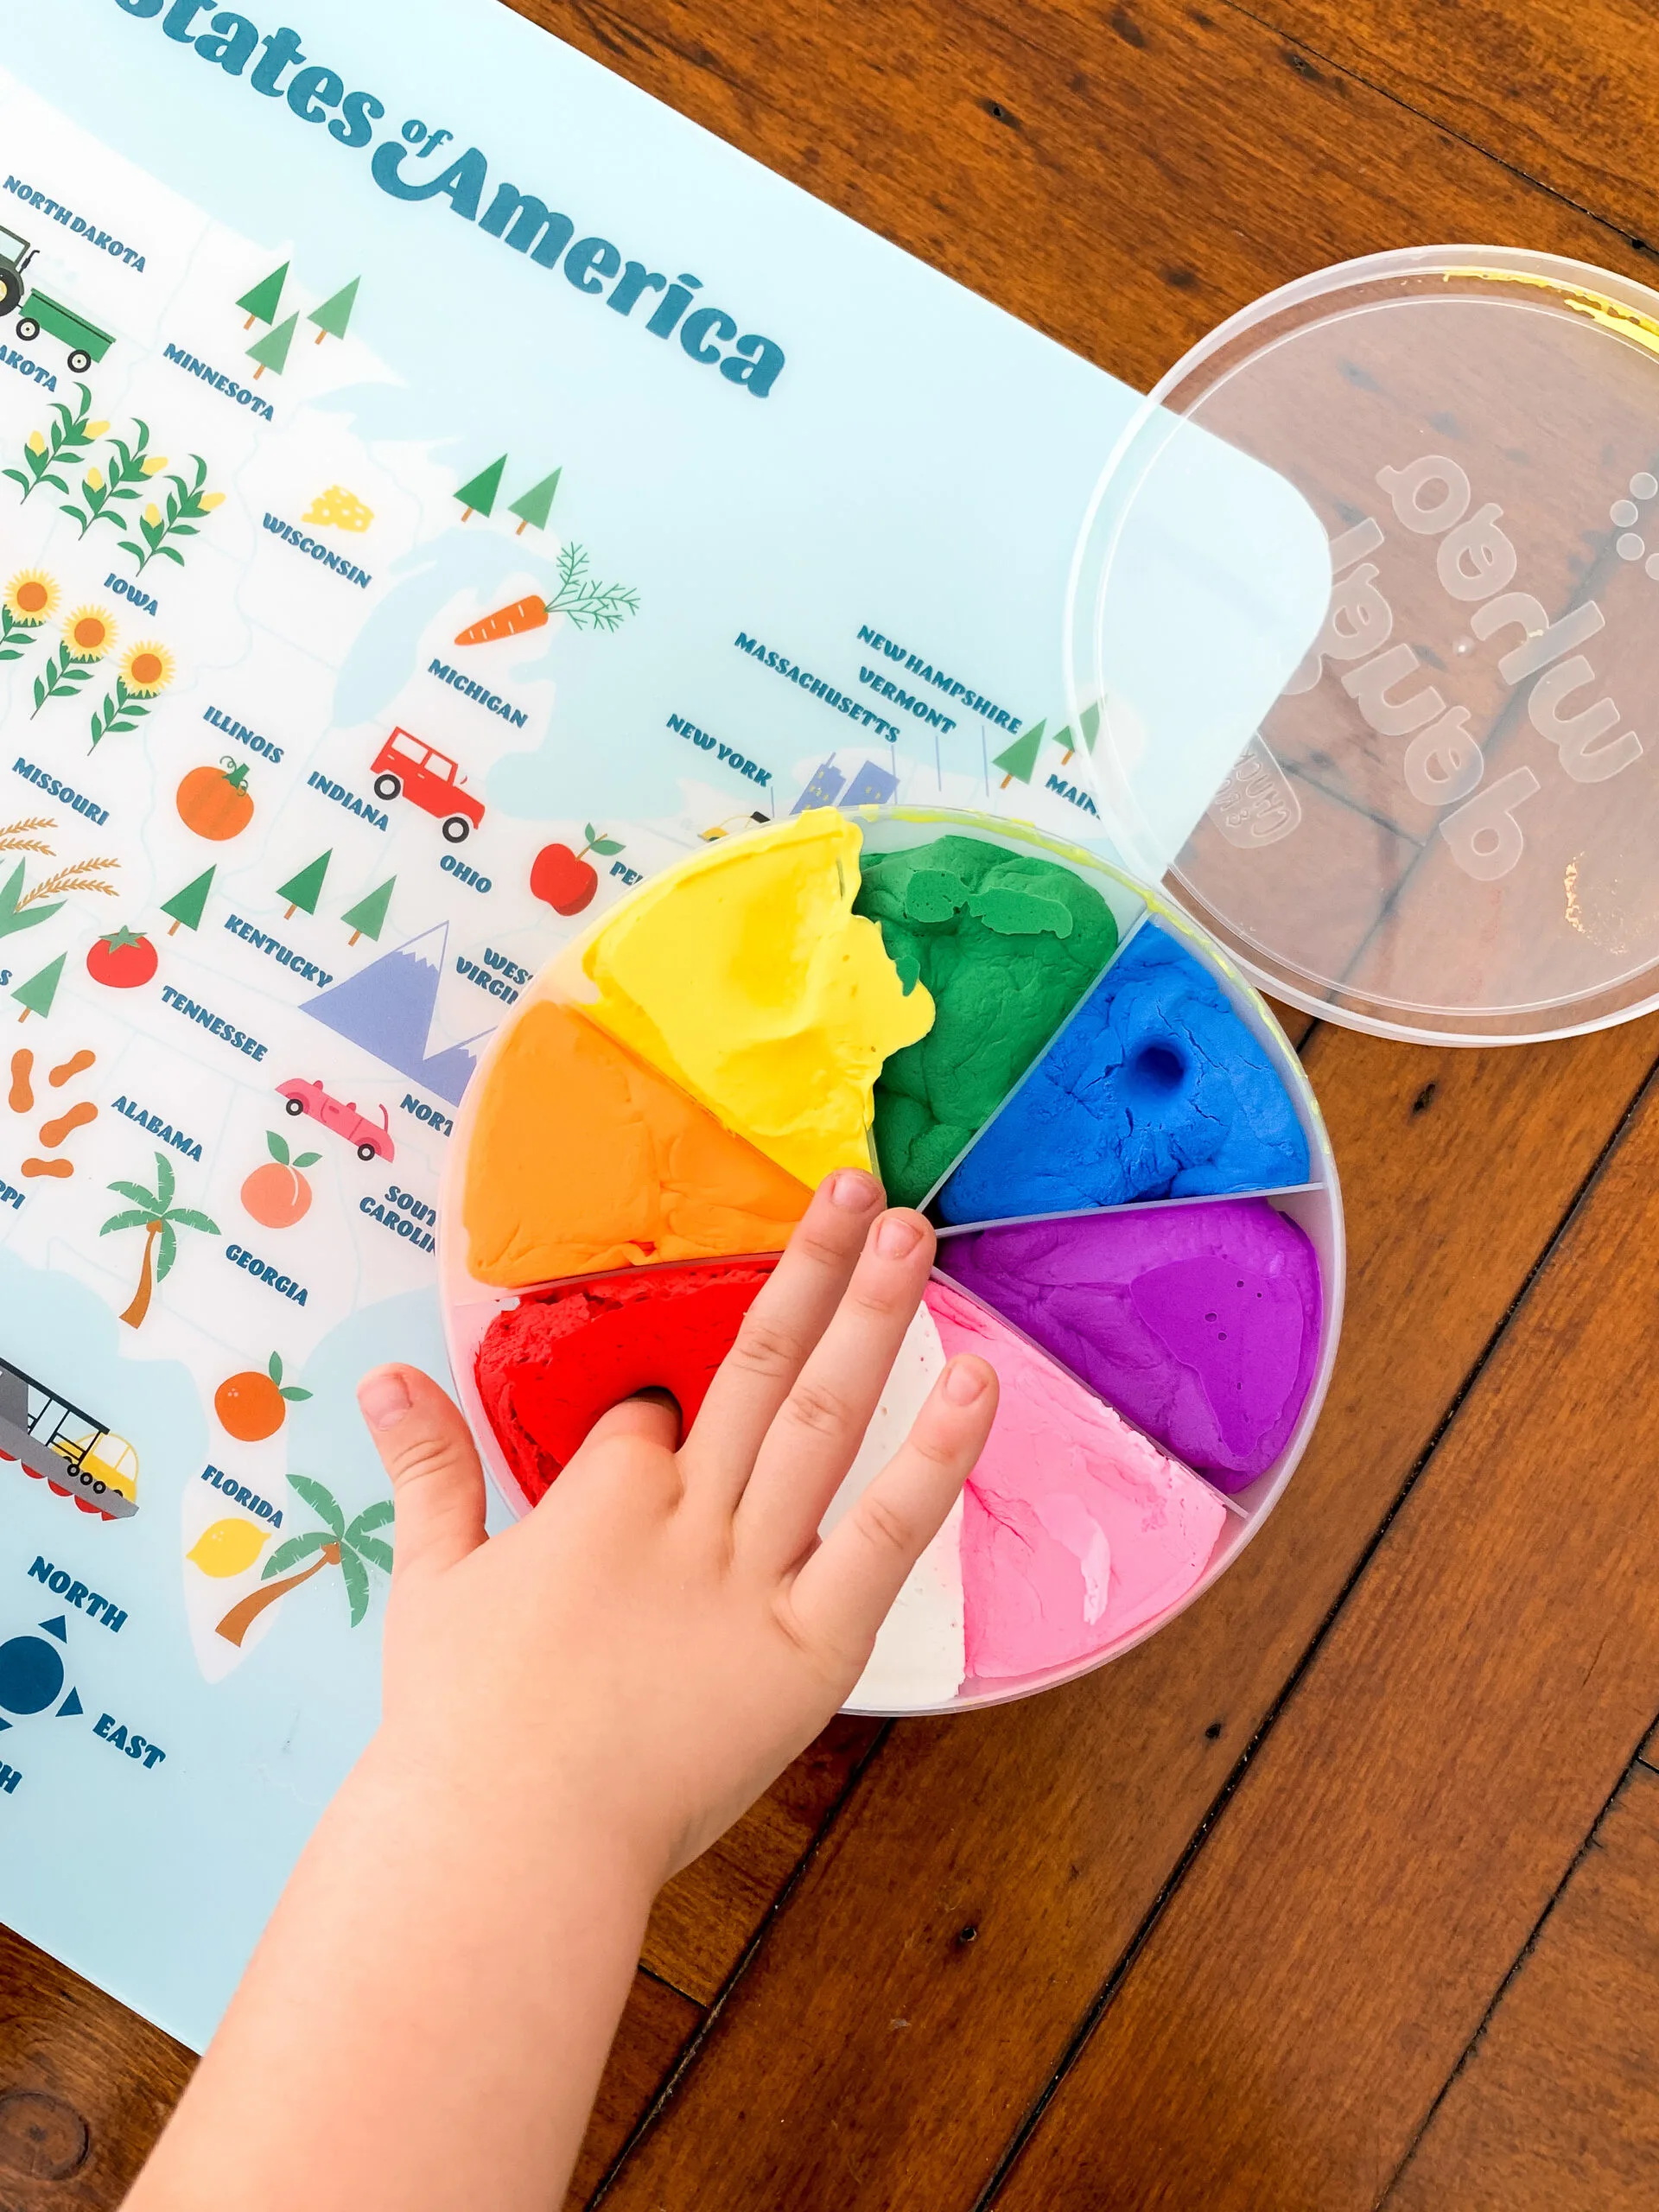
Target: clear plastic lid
point(1446, 826)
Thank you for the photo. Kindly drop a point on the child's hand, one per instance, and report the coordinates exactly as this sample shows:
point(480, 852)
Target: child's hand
point(647, 1651)
point(571, 1713)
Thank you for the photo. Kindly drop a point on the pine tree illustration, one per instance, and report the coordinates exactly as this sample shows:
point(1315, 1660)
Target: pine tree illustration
point(333, 317)
point(536, 504)
point(186, 906)
point(478, 497)
point(271, 350)
point(262, 302)
point(1088, 730)
point(367, 918)
point(1020, 758)
point(305, 888)
point(35, 997)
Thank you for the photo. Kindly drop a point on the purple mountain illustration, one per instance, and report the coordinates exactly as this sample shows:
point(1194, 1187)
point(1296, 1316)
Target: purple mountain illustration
point(387, 1008)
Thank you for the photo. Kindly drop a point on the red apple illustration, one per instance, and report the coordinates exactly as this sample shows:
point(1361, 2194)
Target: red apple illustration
point(565, 880)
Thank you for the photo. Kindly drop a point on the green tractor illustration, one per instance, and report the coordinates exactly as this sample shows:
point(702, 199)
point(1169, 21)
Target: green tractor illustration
point(86, 342)
point(16, 254)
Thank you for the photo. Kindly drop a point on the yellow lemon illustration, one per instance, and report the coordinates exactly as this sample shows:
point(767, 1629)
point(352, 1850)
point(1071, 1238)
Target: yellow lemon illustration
point(228, 1547)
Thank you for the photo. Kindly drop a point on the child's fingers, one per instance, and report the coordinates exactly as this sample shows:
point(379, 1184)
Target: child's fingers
point(652, 1416)
point(845, 1591)
point(778, 1332)
point(820, 1424)
point(436, 1480)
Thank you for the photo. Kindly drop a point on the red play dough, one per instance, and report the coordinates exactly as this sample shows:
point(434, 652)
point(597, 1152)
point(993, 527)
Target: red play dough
point(549, 1368)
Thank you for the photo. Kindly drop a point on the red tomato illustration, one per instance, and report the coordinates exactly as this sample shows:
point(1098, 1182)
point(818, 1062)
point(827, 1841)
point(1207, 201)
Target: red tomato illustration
point(122, 960)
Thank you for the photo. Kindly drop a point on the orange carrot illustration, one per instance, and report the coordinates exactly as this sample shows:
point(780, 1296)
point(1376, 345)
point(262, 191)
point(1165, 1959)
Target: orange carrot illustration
point(507, 622)
point(584, 603)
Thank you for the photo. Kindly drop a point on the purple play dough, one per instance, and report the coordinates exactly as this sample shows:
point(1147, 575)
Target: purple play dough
point(1200, 1322)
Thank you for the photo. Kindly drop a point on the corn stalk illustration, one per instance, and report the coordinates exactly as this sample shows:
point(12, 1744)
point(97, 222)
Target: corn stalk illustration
point(188, 505)
point(72, 435)
point(103, 493)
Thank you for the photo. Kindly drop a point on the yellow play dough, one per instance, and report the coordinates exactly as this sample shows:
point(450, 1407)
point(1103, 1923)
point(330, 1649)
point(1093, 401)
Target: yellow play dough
point(746, 978)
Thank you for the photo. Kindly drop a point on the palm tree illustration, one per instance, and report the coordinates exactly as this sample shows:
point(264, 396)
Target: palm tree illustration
point(154, 1212)
point(354, 1548)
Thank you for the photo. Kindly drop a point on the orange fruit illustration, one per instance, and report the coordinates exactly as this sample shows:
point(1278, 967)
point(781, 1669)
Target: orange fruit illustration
point(277, 1194)
point(252, 1406)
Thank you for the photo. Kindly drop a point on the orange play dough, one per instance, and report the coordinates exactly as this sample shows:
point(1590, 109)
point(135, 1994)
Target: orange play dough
point(583, 1157)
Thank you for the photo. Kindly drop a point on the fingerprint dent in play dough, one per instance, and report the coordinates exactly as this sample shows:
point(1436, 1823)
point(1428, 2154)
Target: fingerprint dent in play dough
point(1199, 1323)
point(1156, 1089)
point(1007, 944)
point(584, 1158)
point(748, 979)
point(918, 1657)
point(548, 1367)
point(1077, 1531)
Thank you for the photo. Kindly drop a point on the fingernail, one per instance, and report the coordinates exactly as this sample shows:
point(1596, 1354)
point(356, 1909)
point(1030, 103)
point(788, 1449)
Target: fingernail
point(896, 1236)
point(383, 1397)
point(964, 1381)
point(853, 1191)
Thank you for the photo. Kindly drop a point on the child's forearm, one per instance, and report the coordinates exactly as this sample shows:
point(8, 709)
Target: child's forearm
point(424, 2025)
point(573, 1711)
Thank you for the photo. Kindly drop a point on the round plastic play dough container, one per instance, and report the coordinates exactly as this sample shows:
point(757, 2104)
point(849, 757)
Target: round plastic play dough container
point(1105, 1562)
point(1443, 826)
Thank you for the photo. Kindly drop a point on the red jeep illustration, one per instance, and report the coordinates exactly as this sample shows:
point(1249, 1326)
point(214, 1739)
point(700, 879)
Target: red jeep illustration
point(406, 767)
point(344, 1119)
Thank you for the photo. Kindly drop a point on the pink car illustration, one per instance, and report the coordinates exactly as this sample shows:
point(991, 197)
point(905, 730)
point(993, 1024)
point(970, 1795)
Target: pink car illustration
point(372, 1143)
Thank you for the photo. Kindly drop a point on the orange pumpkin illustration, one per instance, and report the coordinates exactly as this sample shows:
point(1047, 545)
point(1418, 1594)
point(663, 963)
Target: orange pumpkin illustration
point(216, 803)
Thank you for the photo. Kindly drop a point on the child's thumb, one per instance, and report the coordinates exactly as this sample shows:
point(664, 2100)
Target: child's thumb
point(436, 1479)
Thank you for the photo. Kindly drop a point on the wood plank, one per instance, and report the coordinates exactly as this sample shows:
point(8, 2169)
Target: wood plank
point(657, 2025)
point(86, 2087)
point(1289, 2023)
point(1567, 90)
point(1557, 2109)
point(921, 1985)
point(706, 1918)
point(1122, 178)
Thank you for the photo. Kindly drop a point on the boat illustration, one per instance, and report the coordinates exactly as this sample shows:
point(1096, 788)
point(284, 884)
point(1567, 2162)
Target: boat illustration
point(72, 1452)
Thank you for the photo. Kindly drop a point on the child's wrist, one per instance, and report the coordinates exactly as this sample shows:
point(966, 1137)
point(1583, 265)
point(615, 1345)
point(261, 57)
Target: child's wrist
point(532, 1814)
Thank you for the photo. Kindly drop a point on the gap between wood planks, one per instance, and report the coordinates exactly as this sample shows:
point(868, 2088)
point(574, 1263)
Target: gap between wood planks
point(1309, 1028)
point(1517, 1966)
point(1649, 1745)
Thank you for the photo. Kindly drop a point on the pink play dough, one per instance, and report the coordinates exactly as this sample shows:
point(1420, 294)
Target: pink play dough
point(1076, 1530)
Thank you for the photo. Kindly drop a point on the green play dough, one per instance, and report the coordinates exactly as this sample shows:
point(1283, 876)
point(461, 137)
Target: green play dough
point(1006, 944)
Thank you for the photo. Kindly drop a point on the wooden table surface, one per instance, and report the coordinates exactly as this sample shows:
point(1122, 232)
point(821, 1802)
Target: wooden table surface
point(1344, 1891)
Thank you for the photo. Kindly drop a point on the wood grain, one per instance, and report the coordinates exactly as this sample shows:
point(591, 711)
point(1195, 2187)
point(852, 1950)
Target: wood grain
point(706, 1916)
point(1120, 177)
point(1557, 2108)
point(1289, 2023)
point(657, 2025)
point(86, 2087)
point(884, 2045)
point(1567, 90)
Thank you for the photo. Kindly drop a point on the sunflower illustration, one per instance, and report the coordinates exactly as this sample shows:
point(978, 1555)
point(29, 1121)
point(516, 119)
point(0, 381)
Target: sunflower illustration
point(147, 668)
point(31, 595)
point(89, 632)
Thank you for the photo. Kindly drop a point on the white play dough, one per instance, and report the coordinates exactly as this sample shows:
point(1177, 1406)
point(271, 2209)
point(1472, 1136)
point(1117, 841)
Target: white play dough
point(918, 1655)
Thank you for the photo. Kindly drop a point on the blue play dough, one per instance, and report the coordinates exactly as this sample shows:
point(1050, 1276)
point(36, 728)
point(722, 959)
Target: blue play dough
point(1155, 1090)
